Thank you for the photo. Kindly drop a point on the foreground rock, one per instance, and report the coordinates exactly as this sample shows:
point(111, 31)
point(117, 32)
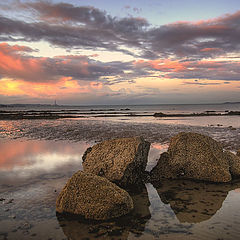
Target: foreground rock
point(118, 228)
point(193, 156)
point(93, 197)
point(122, 161)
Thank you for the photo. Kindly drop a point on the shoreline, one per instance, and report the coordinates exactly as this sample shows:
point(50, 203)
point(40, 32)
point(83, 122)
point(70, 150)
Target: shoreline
point(95, 130)
point(54, 114)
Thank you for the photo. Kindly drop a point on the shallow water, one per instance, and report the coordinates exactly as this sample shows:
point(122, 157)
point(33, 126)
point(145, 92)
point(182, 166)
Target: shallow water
point(205, 121)
point(142, 113)
point(148, 108)
point(33, 172)
point(98, 130)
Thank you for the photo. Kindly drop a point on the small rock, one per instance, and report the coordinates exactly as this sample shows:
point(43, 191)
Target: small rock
point(25, 226)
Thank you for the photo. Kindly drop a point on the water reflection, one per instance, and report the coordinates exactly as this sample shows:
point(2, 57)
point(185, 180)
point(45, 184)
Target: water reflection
point(27, 159)
point(155, 150)
point(193, 202)
point(180, 209)
point(134, 223)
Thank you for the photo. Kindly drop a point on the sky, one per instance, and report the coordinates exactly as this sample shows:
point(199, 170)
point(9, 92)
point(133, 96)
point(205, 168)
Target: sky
point(119, 52)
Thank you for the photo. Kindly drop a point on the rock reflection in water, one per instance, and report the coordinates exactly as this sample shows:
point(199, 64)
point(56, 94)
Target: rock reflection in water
point(193, 202)
point(76, 228)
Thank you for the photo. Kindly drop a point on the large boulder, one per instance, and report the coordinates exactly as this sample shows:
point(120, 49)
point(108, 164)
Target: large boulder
point(118, 228)
point(122, 161)
point(93, 197)
point(193, 156)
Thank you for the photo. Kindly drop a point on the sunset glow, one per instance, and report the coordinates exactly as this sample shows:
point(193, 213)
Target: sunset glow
point(86, 54)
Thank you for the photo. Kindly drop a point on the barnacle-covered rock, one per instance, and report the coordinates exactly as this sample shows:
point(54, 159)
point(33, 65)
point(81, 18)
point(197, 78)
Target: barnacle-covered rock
point(193, 156)
point(93, 197)
point(122, 160)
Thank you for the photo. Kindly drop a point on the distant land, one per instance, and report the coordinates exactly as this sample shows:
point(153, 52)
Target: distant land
point(66, 105)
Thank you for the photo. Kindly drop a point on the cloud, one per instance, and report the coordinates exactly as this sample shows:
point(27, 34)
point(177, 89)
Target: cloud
point(15, 64)
point(180, 50)
point(71, 26)
point(85, 27)
point(200, 39)
point(212, 70)
point(203, 69)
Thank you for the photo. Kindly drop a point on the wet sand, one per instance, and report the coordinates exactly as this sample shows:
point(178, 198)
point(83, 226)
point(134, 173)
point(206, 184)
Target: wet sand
point(37, 158)
point(99, 130)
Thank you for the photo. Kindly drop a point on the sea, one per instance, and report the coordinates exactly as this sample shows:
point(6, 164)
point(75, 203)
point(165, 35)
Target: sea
point(38, 156)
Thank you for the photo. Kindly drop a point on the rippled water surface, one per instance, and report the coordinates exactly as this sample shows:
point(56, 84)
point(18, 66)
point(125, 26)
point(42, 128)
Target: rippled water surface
point(33, 172)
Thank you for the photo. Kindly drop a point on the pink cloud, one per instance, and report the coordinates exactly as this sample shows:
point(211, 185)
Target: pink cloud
point(15, 64)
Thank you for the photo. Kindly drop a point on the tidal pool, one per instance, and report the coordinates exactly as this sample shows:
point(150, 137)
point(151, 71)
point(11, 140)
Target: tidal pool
point(33, 172)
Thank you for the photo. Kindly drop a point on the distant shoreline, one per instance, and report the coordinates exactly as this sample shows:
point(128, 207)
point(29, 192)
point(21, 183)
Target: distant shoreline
point(58, 114)
point(104, 105)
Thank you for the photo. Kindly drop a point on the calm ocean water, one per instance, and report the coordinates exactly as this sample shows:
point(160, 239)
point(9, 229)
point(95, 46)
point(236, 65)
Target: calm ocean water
point(165, 108)
point(135, 113)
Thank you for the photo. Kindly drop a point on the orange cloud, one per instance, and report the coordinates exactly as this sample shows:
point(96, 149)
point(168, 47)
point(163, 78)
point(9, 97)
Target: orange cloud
point(65, 86)
point(17, 65)
point(164, 65)
point(10, 87)
point(210, 49)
